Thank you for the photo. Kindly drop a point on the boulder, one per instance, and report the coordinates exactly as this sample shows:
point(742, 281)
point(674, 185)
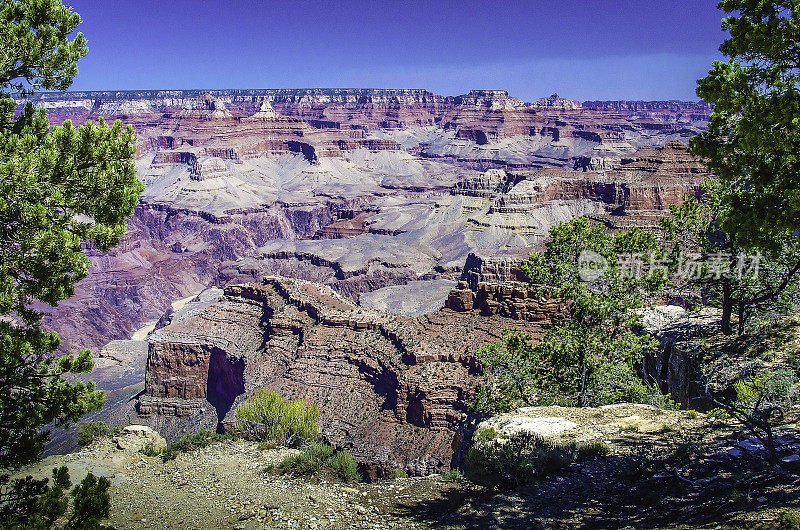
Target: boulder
point(575, 424)
point(140, 438)
point(677, 364)
point(506, 425)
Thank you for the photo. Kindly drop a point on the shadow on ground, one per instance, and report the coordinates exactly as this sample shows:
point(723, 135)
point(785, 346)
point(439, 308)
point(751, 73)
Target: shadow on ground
point(650, 481)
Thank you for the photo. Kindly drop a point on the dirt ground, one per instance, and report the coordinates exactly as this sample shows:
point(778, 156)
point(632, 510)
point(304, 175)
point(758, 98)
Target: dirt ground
point(666, 469)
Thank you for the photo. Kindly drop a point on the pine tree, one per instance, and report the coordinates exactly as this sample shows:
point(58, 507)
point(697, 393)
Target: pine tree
point(61, 188)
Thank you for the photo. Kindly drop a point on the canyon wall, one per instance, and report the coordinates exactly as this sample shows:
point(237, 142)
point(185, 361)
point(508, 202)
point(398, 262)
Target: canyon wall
point(395, 193)
point(392, 390)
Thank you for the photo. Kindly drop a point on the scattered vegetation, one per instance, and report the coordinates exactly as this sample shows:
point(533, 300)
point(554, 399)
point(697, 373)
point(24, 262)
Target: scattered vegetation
point(761, 400)
point(590, 356)
point(741, 282)
point(595, 448)
point(397, 473)
point(190, 442)
point(266, 416)
point(517, 461)
point(91, 431)
point(789, 520)
point(319, 457)
point(452, 475)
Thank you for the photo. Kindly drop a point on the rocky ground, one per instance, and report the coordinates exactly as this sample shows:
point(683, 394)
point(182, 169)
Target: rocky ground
point(666, 469)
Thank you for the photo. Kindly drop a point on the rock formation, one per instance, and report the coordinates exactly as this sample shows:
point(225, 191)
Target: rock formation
point(396, 186)
point(393, 390)
point(557, 102)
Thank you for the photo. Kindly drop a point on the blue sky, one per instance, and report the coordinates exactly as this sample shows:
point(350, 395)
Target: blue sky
point(582, 49)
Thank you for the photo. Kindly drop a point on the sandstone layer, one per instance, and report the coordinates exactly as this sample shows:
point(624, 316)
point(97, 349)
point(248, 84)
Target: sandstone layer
point(229, 171)
point(393, 390)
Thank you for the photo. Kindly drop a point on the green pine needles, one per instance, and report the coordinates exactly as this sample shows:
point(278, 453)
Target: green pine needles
point(60, 188)
point(591, 354)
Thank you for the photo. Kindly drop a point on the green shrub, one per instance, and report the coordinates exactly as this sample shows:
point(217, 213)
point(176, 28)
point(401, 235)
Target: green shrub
point(691, 414)
point(397, 473)
point(452, 475)
point(309, 461)
point(91, 431)
point(718, 414)
point(191, 442)
point(593, 449)
point(321, 450)
point(266, 416)
point(345, 467)
point(320, 456)
point(150, 450)
point(303, 463)
point(267, 446)
point(615, 382)
point(488, 434)
point(517, 461)
point(774, 387)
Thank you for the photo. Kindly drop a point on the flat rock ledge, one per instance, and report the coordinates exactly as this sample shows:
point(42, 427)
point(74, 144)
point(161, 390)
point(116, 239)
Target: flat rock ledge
point(580, 424)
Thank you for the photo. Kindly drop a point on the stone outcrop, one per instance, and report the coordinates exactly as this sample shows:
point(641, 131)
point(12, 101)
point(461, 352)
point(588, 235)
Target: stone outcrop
point(511, 300)
point(140, 438)
point(392, 390)
point(499, 268)
point(265, 112)
point(577, 424)
point(677, 365)
point(491, 99)
point(496, 286)
point(345, 228)
point(557, 102)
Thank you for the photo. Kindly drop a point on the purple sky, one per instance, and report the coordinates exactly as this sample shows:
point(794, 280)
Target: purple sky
point(582, 49)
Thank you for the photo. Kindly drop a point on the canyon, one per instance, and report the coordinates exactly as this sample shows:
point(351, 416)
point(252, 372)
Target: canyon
point(351, 247)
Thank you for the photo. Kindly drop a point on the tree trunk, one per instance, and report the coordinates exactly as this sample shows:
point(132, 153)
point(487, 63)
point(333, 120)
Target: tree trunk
point(771, 456)
point(727, 307)
point(741, 317)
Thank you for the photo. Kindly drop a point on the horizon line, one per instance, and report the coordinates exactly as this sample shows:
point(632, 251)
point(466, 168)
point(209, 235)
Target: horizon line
point(42, 92)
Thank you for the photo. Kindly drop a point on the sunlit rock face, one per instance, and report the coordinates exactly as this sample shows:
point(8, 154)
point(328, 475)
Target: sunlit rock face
point(391, 389)
point(360, 189)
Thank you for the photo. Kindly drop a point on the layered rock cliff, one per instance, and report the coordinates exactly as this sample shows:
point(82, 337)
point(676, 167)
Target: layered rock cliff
point(229, 171)
point(392, 390)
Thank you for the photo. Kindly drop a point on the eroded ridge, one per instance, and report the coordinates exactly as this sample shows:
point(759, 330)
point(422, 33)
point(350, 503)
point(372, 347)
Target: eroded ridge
point(393, 390)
